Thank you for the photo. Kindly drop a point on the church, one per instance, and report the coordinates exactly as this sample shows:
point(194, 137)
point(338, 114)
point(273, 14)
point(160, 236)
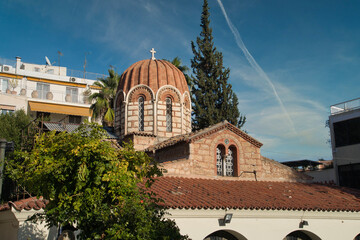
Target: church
point(216, 183)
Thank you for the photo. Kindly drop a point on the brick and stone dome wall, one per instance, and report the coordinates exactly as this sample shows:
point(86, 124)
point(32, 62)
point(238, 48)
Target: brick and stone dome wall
point(153, 73)
point(152, 101)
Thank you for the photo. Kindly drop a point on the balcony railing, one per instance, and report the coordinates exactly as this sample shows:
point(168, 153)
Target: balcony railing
point(69, 72)
point(52, 95)
point(345, 106)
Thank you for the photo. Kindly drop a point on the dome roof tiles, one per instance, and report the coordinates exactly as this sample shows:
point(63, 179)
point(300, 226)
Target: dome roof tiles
point(153, 73)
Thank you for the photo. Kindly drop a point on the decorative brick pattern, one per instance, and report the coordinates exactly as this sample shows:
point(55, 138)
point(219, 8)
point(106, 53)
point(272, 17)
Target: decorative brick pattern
point(143, 91)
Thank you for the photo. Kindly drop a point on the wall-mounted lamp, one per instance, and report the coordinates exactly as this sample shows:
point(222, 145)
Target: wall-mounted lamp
point(227, 219)
point(303, 223)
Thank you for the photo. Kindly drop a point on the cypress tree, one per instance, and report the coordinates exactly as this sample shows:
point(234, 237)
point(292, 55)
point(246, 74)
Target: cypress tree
point(212, 96)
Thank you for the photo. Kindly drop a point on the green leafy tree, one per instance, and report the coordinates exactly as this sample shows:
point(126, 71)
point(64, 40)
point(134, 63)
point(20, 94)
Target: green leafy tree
point(12, 124)
point(212, 96)
point(104, 99)
point(93, 186)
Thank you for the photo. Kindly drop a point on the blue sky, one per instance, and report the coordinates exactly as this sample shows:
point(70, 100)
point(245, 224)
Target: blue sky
point(292, 61)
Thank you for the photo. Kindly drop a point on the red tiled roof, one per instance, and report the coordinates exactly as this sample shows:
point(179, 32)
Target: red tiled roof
point(27, 204)
point(195, 193)
point(194, 136)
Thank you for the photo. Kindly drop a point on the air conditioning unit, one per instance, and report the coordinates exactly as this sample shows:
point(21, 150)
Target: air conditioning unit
point(72, 79)
point(7, 68)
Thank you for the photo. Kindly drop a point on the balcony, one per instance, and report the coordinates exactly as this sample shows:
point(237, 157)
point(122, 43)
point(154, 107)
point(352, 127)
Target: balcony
point(57, 94)
point(345, 106)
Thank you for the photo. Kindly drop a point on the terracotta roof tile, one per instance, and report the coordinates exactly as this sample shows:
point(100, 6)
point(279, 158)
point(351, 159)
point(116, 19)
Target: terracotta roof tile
point(194, 136)
point(27, 204)
point(153, 73)
point(195, 193)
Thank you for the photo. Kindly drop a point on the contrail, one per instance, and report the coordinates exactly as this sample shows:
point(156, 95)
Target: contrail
point(254, 64)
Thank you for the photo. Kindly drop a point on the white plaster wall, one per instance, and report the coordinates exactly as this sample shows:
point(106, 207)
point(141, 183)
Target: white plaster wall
point(19, 102)
point(323, 176)
point(267, 224)
point(13, 225)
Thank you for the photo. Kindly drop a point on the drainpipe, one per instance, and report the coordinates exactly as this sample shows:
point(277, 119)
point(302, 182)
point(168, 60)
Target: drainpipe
point(2, 162)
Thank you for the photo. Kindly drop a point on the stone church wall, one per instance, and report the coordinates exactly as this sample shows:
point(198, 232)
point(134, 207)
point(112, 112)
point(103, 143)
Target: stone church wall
point(198, 159)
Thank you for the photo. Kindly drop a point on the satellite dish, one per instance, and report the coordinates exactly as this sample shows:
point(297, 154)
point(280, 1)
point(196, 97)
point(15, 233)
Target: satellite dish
point(47, 61)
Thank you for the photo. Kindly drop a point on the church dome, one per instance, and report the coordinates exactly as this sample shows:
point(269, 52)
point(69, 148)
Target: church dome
point(153, 73)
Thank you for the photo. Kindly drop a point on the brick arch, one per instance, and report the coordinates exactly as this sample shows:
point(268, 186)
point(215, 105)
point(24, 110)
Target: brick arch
point(233, 141)
point(168, 91)
point(187, 100)
point(140, 90)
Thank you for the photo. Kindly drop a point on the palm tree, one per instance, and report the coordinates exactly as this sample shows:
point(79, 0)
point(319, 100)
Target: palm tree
point(104, 99)
point(183, 68)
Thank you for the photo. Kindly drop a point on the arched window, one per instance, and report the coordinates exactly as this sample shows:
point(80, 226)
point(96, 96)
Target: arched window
point(168, 115)
point(231, 160)
point(226, 163)
point(141, 113)
point(220, 153)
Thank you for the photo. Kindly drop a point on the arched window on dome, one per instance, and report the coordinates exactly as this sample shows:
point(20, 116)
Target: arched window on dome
point(168, 114)
point(141, 113)
point(220, 154)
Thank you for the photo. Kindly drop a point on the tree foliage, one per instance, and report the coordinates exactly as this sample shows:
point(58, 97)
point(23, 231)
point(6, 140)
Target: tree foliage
point(93, 186)
point(104, 99)
point(12, 124)
point(183, 68)
point(212, 96)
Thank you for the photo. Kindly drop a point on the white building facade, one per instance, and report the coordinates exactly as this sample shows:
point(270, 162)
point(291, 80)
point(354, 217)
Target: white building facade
point(45, 91)
point(344, 123)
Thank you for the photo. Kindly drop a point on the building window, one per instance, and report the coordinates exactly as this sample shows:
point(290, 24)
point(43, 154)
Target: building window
point(168, 115)
point(347, 132)
point(74, 119)
point(4, 85)
point(42, 89)
point(225, 163)
point(141, 113)
point(6, 111)
point(50, 71)
point(73, 93)
point(220, 153)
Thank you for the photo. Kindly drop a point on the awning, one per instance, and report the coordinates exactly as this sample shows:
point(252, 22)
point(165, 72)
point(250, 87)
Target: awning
point(58, 108)
point(7, 107)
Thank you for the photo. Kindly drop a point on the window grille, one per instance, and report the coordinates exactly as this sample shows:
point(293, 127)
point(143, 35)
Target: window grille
point(219, 161)
point(229, 163)
point(168, 115)
point(141, 113)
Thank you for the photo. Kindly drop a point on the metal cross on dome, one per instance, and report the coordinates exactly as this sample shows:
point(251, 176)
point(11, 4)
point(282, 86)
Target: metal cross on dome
point(153, 54)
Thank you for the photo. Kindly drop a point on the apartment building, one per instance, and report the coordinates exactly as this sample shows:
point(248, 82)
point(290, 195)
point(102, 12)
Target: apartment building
point(344, 123)
point(51, 93)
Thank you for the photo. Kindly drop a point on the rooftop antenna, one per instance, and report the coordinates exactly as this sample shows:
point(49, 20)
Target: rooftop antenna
point(59, 54)
point(85, 63)
point(47, 61)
